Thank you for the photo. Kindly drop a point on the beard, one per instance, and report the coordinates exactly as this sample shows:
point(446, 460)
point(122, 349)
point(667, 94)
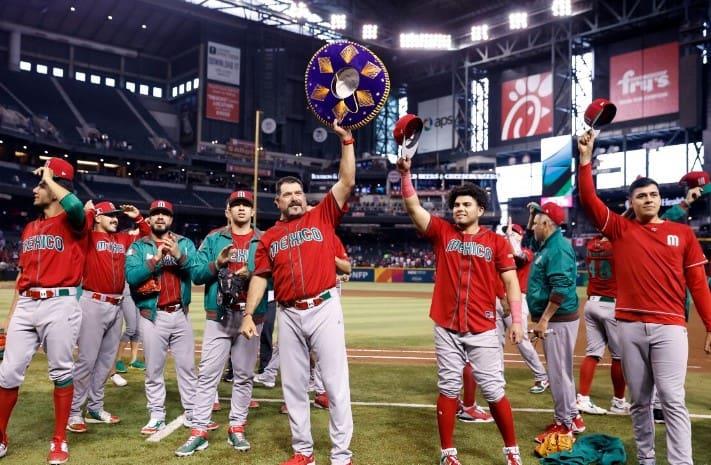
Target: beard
point(160, 232)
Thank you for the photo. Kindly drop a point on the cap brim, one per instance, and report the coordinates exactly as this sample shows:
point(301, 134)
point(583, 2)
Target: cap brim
point(408, 149)
point(153, 211)
point(242, 201)
point(111, 213)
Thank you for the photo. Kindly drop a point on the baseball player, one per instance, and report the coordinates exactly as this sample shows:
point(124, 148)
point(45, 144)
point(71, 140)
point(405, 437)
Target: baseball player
point(159, 270)
point(553, 303)
point(310, 315)
point(102, 284)
point(523, 256)
point(45, 309)
point(655, 261)
point(601, 329)
point(469, 261)
point(232, 247)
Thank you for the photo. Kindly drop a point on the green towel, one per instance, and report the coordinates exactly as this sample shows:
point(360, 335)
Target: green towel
point(599, 449)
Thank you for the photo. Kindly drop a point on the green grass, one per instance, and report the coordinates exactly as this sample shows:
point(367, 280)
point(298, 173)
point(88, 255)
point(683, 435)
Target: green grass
point(383, 435)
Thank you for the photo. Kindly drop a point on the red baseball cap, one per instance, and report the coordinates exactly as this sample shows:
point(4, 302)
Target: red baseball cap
point(600, 112)
point(407, 132)
point(106, 208)
point(161, 205)
point(695, 179)
point(61, 168)
point(517, 228)
point(241, 196)
point(554, 211)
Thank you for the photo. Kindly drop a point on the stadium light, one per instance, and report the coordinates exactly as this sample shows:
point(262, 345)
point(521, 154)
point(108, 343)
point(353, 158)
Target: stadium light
point(143, 26)
point(42, 69)
point(370, 32)
point(338, 22)
point(426, 41)
point(480, 33)
point(25, 66)
point(58, 72)
point(72, 9)
point(518, 20)
point(109, 17)
point(562, 8)
point(95, 79)
point(79, 76)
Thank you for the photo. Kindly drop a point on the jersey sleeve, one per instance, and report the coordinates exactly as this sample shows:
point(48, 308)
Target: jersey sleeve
point(504, 258)
point(604, 219)
point(435, 228)
point(206, 269)
point(693, 255)
point(262, 262)
point(328, 210)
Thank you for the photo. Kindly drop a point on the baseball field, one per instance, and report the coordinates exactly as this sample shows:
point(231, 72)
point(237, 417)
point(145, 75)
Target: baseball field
point(393, 384)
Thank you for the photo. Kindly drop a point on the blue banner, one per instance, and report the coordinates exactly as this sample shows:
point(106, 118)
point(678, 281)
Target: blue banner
point(363, 275)
point(419, 276)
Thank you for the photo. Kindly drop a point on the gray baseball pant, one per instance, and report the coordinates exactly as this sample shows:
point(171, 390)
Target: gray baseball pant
point(601, 329)
point(558, 347)
point(483, 350)
point(272, 368)
point(130, 316)
point(169, 331)
point(51, 323)
point(217, 345)
point(525, 347)
point(320, 329)
point(98, 342)
point(657, 355)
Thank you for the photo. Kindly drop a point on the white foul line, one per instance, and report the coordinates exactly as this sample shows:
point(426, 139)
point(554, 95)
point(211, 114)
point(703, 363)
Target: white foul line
point(432, 407)
point(167, 431)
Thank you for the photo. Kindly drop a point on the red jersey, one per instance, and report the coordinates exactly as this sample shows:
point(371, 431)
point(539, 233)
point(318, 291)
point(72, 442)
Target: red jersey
point(467, 273)
point(650, 261)
point(238, 259)
point(600, 262)
point(105, 258)
point(524, 270)
point(51, 254)
point(169, 281)
point(299, 253)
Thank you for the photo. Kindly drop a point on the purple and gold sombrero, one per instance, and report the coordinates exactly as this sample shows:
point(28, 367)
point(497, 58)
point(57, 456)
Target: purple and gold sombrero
point(345, 80)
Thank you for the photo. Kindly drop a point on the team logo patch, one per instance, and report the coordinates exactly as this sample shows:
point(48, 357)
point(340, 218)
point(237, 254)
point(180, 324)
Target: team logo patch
point(43, 242)
point(489, 315)
point(295, 239)
point(672, 240)
point(470, 248)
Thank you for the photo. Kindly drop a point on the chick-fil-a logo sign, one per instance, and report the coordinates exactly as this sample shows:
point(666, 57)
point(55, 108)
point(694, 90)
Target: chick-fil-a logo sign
point(645, 82)
point(527, 106)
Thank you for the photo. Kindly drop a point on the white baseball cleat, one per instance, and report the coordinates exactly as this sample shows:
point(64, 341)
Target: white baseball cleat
point(264, 381)
point(118, 380)
point(619, 406)
point(3, 449)
point(585, 405)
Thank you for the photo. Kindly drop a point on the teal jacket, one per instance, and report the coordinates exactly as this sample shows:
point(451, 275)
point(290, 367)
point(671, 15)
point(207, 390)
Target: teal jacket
point(553, 276)
point(206, 269)
point(140, 267)
point(599, 449)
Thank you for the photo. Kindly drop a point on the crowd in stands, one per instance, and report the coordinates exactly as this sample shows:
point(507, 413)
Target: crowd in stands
point(408, 254)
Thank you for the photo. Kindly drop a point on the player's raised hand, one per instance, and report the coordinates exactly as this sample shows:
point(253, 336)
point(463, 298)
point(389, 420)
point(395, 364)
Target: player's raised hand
point(44, 172)
point(89, 205)
point(707, 343)
point(224, 256)
point(248, 328)
point(516, 333)
point(586, 142)
point(171, 244)
point(693, 194)
point(343, 134)
point(404, 164)
point(130, 211)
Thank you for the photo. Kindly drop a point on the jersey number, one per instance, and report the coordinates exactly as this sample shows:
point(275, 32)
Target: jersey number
point(600, 269)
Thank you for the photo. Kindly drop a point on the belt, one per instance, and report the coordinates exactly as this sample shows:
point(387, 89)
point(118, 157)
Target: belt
point(106, 298)
point(601, 298)
point(171, 308)
point(305, 304)
point(238, 307)
point(41, 293)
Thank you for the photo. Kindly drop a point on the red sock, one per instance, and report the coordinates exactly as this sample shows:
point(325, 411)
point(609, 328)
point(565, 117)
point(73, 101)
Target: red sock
point(8, 399)
point(501, 411)
point(446, 410)
point(618, 378)
point(62, 406)
point(587, 371)
point(469, 385)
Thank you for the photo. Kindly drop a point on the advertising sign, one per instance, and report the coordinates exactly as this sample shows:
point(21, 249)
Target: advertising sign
point(527, 106)
point(222, 103)
point(223, 63)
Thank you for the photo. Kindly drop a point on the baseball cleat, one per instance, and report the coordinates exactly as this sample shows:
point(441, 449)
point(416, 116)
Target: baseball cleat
point(298, 459)
point(578, 425)
point(539, 387)
point(58, 452)
point(237, 439)
point(76, 425)
point(449, 457)
point(321, 401)
point(264, 381)
point(121, 367)
point(196, 442)
point(585, 405)
point(253, 403)
point(118, 380)
point(216, 406)
point(137, 364)
point(101, 417)
point(552, 428)
point(228, 377)
point(3, 449)
point(658, 415)
point(153, 426)
point(473, 414)
point(512, 455)
point(212, 426)
point(283, 409)
point(619, 406)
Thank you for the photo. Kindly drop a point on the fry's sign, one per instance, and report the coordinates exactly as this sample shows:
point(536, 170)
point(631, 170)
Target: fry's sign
point(645, 83)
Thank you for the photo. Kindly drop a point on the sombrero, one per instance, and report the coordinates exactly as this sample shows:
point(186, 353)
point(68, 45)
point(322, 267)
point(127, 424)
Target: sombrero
point(346, 81)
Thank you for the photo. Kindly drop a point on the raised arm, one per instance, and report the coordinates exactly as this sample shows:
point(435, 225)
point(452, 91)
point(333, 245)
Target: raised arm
point(346, 171)
point(69, 202)
point(419, 216)
point(598, 213)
